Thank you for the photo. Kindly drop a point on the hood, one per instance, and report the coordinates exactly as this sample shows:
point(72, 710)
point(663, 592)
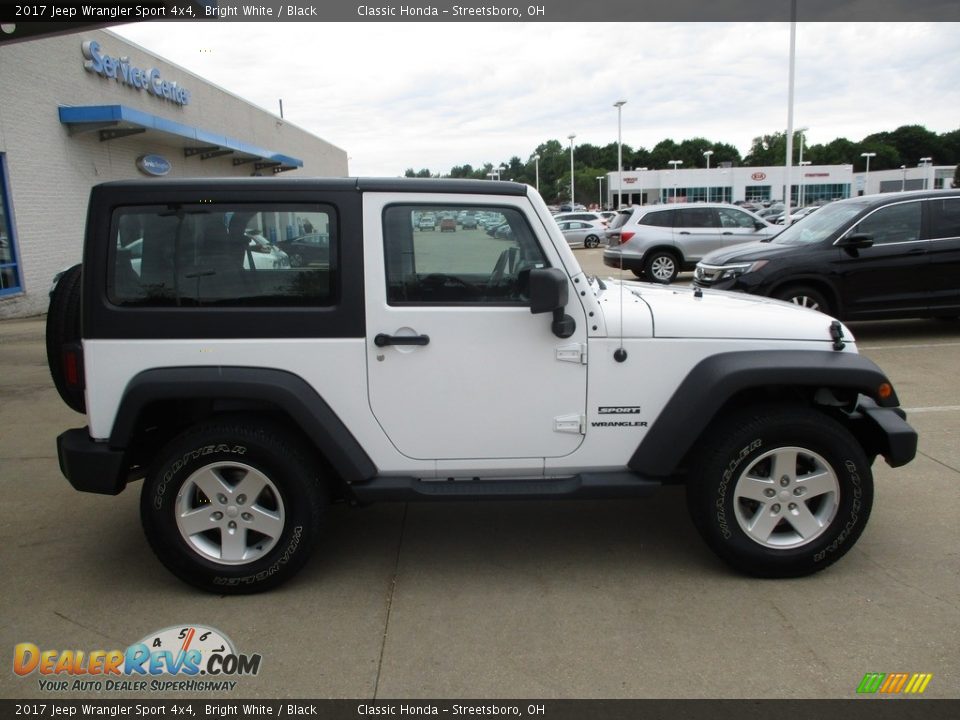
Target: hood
point(748, 252)
point(677, 312)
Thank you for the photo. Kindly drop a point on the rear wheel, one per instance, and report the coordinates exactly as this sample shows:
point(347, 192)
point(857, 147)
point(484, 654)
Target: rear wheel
point(661, 266)
point(63, 328)
point(233, 507)
point(785, 494)
point(807, 297)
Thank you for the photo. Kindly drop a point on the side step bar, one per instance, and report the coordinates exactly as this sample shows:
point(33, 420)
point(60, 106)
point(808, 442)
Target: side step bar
point(587, 485)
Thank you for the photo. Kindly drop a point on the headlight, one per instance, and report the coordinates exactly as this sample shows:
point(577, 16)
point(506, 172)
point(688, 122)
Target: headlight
point(728, 272)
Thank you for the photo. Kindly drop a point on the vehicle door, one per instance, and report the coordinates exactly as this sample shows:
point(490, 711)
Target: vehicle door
point(892, 275)
point(943, 223)
point(738, 226)
point(487, 378)
point(697, 231)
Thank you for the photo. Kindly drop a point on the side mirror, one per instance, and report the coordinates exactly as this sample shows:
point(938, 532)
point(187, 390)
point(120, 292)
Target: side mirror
point(549, 292)
point(760, 225)
point(856, 241)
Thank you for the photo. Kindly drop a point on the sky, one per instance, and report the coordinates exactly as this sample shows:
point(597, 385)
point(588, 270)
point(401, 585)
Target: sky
point(435, 95)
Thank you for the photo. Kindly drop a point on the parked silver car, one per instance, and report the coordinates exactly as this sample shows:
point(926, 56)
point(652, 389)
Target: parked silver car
point(582, 233)
point(658, 241)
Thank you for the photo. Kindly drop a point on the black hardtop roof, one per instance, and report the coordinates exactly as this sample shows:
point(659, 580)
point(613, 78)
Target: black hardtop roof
point(399, 185)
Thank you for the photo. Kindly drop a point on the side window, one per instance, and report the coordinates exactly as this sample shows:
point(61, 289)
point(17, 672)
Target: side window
point(730, 218)
point(892, 224)
point(256, 255)
point(944, 218)
point(697, 218)
point(489, 263)
point(659, 218)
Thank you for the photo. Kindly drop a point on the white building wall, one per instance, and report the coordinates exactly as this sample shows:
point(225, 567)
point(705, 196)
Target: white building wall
point(50, 172)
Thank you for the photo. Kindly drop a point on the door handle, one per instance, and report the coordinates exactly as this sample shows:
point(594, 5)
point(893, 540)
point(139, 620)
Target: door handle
point(684, 232)
point(917, 251)
point(728, 233)
point(382, 340)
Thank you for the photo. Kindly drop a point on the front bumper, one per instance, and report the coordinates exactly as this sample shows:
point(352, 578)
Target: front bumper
point(894, 437)
point(91, 466)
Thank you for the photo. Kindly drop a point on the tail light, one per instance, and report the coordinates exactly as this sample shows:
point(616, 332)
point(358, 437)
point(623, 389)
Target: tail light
point(73, 366)
point(624, 236)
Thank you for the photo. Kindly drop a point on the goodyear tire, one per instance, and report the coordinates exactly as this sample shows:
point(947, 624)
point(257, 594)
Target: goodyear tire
point(233, 506)
point(785, 494)
point(63, 328)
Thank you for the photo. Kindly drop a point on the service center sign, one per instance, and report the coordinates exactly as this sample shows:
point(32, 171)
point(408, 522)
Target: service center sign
point(120, 69)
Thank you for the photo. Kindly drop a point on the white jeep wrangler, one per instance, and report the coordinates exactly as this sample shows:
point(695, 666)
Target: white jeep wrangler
point(394, 364)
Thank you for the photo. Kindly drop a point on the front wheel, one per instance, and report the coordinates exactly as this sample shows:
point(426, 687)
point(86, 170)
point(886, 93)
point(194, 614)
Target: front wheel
point(591, 241)
point(785, 494)
point(232, 507)
point(806, 297)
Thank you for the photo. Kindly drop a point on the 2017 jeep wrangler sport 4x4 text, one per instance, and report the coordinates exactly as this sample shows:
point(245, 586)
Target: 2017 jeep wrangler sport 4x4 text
point(395, 364)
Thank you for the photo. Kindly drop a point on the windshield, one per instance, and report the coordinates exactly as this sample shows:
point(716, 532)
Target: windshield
point(819, 225)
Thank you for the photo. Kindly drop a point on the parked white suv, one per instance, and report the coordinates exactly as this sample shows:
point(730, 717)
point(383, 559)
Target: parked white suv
point(409, 367)
point(658, 241)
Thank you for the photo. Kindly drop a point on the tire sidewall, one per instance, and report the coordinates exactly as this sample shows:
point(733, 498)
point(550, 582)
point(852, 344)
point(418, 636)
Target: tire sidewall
point(712, 494)
point(648, 267)
point(298, 492)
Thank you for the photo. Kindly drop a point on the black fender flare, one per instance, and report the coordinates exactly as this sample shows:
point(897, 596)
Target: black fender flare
point(716, 379)
point(289, 392)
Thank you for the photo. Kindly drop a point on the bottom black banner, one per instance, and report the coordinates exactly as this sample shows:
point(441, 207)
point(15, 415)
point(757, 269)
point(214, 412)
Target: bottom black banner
point(859, 709)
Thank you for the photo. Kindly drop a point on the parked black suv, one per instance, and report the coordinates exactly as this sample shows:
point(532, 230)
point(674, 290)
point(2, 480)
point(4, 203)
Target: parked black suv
point(893, 255)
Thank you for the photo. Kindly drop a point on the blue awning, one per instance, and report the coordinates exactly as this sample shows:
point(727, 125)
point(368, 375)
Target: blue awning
point(115, 121)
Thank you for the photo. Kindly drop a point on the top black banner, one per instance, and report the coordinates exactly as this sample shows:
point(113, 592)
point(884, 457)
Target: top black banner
point(100, 12)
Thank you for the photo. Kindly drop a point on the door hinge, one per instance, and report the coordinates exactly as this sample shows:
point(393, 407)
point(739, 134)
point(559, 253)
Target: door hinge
point(576, 353)
point(570, 424)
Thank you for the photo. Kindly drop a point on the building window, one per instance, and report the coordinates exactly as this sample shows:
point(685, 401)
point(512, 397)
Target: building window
point(9, 270)
point(754, 193)
point(821, 192)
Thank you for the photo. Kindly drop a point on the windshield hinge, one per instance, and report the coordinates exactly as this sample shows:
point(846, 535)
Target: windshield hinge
point(573, 353)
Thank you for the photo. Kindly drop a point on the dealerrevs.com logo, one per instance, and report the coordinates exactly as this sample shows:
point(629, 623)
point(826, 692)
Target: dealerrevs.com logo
point(178, 658)
point(894, 683)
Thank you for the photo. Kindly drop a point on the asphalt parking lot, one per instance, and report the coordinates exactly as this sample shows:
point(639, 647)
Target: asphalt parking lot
point(605, 599)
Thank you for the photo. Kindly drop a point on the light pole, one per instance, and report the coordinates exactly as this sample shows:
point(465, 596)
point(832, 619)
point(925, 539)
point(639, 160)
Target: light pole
point(570, 137)
point(803, 164)
point(600, 196)
point(903, 180)
point(707, 154)
point(673, 175)
point(536, 167)
point(619, 106)
point(924, 163)
point(866, 175)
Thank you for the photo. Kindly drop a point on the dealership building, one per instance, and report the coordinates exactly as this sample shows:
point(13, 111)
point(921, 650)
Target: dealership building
point(90, 107)
point(809, 183)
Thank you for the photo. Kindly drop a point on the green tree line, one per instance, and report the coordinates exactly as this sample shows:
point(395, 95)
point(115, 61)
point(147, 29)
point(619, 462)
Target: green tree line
point(903, 146)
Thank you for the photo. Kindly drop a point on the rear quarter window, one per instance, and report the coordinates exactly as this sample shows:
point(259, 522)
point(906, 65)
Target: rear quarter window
point(243, 255)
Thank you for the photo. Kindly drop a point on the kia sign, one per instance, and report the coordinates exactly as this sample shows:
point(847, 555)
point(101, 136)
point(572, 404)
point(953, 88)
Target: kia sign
point(758, 176)
point(153, 165)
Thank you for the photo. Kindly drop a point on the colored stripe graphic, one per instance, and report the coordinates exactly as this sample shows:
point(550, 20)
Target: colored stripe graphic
point(894, 683)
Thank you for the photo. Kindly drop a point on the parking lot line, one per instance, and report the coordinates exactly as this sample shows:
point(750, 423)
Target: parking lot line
point(939, 408)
